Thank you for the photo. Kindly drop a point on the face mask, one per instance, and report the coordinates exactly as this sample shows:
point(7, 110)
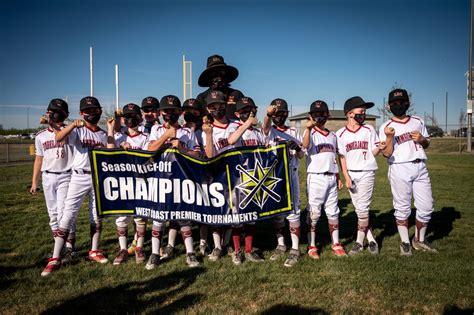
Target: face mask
point(217, 83)
point(92, 119)
point(244, 116)
point(320, 120)
point(360, 118)
point(171, 118)
point(132, 122)
point(218, 114)
point(279, 121)
point(189, 117)
point(399, 109)
point(57, 117)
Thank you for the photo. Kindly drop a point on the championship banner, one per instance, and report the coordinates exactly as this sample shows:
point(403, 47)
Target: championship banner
point(238, 186)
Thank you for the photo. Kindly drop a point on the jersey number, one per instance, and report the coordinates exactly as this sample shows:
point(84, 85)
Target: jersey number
point(60, 155)
point(365, 155)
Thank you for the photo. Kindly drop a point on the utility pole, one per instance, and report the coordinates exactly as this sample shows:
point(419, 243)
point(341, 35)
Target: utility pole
point(27, 118)
point(446, 117)
point(432, 114)
point(469, 101)
point(91, 71)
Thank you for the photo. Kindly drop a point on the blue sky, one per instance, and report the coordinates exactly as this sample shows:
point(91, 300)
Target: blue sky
point(297, 50)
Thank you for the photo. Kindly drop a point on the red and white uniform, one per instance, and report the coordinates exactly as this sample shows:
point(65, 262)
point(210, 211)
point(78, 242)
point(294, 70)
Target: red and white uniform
point(275, 135)
point(84, 140)
point(185, 135)
point(357, 147)
point(407, 171)
point(138, 141)
point(220, 136)
point(251, 136)
point(56, 173)
point(322, 169)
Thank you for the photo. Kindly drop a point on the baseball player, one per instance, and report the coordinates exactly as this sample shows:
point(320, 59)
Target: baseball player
point(171, 133)
point(323, 179)
point(53, 162)
point(358, 144)
point(84, 135)
point(406, 139)
point(242, 134)
point(137, 140)
point(216, 131)
point(277, 113)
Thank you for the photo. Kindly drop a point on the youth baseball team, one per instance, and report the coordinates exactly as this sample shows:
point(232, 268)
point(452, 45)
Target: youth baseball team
point(219, 119)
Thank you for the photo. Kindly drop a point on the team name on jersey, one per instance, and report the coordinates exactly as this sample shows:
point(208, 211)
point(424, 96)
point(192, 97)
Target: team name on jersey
point(90, 143)
point(51, 144)
point(250, 142)
point(222, 143)
point(357, 145)
point(403, 138)
point(325, 147)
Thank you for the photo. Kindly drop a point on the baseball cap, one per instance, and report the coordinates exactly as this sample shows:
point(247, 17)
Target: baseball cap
point(150, 102)
point(88, 102)
point(170, 102)
point(244, 102)
point(398, 94)
point(281, 104)
point(192, 103)
point(318, 106)
point(58, 104)
point(215, 97)
point(356, 102)
point(131, 109)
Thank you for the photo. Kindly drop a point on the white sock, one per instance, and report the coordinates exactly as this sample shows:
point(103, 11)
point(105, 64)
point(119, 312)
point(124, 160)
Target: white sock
point(95, 241)
point(281, 239)
point(420, 230)
point(295, 241)
point(188, 243)
point(123, 242)
point(172, 236)
point(403, 231)
point(360, 237)
point(312, 238)
point(370, 236)
point(155, 245)
point(58, 245)
point(334, 230)
point(216, 236)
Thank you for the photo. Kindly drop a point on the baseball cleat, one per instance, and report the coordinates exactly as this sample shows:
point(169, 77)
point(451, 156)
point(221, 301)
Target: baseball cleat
point(191, 260)
point(356, 249)
point(405, 249)
point(338, 250)
point(53, 265)
point(253, 257)
point(168, 252)
point(215, 254)
point(313, 252)
point(122, 256)
point(278, 252)
point(373, 248)
point(203, 249)
point(131, 248)
point(139, 255)
point(153, 261)
point(96, 255)
point(292, 258)
point(424, 246)
point(237, 258)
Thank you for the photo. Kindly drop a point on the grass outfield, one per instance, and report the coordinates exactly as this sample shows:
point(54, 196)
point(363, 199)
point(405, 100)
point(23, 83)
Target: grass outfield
point(386, 283)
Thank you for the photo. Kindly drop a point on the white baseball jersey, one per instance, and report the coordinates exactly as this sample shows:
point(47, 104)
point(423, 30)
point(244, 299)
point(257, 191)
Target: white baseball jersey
point(57, 156)
point(252, 136)
point(357, 146)
point(220, 138)
point(185, 135)
point(84, 140)
point(322, 152)
point(137, 142)
point(404, 148)
point(277, 134)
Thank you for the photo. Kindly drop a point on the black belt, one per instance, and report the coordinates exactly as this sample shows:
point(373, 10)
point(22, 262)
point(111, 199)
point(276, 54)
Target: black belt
point(82, 172)
point(355, 170)
point(326, 173)
point(417, 161)
point(65, 172)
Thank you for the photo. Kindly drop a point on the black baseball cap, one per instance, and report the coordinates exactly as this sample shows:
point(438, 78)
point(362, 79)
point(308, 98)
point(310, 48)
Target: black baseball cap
point(58, 104)
point(192, 103)
point(319, 106)
point(89, 102)
point(356, 102)
point(131, 109)
point(170, 102)
point(398, 94)
point(215, 97)
point(281, 104)
point(150, 102)
point(244, 102)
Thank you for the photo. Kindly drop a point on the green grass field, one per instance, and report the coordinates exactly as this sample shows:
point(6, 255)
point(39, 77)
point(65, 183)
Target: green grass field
point(386, 283)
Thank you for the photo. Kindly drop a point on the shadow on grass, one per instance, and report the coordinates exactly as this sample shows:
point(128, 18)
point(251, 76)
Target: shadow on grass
point(454, 309)
point(138, 296)
point(292, 309)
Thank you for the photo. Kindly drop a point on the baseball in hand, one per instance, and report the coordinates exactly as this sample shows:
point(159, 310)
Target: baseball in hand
point(44, 120)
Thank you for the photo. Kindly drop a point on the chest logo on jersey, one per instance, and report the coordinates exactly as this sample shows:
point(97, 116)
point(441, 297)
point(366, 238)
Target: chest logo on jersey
point(403, 138)
point(51, 144)
point(91, 144)
point(222, 143)
point(250, 142)
point(325, 147)
point(258, 184)
point(357, 145)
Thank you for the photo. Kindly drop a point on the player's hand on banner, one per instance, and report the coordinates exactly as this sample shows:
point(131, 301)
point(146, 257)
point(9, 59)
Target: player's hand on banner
point(125, 145)
point(293, 145)
point(310, 123)
point(389, 132)
point(417, 137)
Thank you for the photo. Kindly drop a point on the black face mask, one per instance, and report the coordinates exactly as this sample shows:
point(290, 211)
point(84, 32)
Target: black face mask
point(92, 119)
point(399, 109)
point(279, 121)
point(189, 117)
point(218, 114)
point(132, 122)
point(360, 118)
point(320, 120)
point(244, 116)
point(57, 117)
point(217, 83)
point(170, 118)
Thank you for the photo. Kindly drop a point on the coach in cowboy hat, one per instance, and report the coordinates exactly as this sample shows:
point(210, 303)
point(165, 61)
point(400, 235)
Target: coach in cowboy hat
point(218, 76)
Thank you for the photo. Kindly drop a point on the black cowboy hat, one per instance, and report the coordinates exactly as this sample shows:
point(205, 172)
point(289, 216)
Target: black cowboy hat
point(217, 66)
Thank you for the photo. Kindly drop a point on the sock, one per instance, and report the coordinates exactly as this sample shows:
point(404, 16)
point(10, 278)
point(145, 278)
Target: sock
point(216, 236)
point(370, 235)
point(155, 240)
point(236, 233)
point(140, 233)
point(249, 232)
point(420, 230)
point(95, 235)
point(122, 237)
point(362, 227)
point(172, 233)
point(187, 235)
point(71, 240)
point(60, 237)
point(227, 234)
point(295, 235)
point(334, 230)
point(402, 226)
point(312, 235)
point(278, 225)
point(203, 234)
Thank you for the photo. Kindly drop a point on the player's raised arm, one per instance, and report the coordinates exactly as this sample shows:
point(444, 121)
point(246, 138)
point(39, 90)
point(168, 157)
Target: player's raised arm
point(207, 129)
point(110, 133)
point(235, 136)
point(61, 135)
point(389, 134)
point(307, 135)
point(267, 120)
